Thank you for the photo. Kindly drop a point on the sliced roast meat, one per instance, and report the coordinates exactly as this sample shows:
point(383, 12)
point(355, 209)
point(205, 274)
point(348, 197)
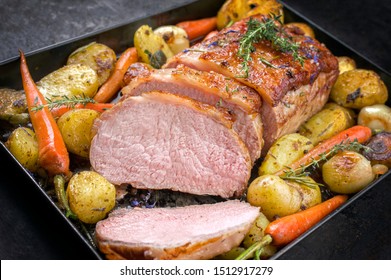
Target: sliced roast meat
point(208, 87)
point(190, 232)
point(163, 141)
point(291, 91)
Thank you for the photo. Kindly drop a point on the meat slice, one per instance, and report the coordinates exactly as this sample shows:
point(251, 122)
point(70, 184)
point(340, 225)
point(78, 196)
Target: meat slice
point(163, 141)
point(190, 232)
point(208, 87)
point(291, 91)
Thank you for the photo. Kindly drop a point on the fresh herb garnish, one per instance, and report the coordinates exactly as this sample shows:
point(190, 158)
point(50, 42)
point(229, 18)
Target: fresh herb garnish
point(67, 101)
point(301, 175)
point(267, 30)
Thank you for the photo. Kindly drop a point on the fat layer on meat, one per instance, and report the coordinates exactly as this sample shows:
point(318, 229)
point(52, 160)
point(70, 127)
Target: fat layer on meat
point(190, 232)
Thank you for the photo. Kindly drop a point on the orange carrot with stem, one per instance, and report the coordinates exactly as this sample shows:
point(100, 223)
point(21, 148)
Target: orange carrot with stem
point(286, 229)
point(358, 132)
point(115, 82)
point(198, 28)
point(99, 107)
point(53, 155)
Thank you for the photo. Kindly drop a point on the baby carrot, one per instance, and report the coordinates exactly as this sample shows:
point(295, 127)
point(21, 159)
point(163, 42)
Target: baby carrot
point(115, 81)
point(99, 107)
point(288, 228)
point(53, 155)
point(358, 132)
point(198, 28)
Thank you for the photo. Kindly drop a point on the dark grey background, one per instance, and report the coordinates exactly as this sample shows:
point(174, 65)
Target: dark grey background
point(29, 231)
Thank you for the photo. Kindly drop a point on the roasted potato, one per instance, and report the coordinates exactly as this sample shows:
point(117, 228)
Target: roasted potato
point(151, 48)
point(310, 196)
point(331, 120)
point(75, 126)
point(376, 117)
point(284, 151)
point(69, 81)
point(98, 56)
point(347, 172)
point(275, 197)
point(23, 145)
point(346, 63)
point(13, 106)
point(175, 37)
point(234, 10)
point(308, 31)
point(90, 196)
point(256, 233)
point(359, 88)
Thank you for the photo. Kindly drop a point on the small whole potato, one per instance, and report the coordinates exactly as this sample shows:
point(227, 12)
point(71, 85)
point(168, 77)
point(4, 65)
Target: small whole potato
point(76, 130)
point(347, 172)
point(275, 197)
point(256, 233)
point(98, 56)
point(310, 196)
point(23, 145)
point(359, 88)
point(346, 63)
point(283, 152)
point(90, 196)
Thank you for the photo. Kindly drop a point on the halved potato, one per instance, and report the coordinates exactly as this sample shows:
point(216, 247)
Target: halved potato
point(331, 120)
point(69, 81)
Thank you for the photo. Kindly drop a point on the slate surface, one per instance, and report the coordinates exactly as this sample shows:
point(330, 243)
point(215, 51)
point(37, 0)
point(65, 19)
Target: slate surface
point(29, 231)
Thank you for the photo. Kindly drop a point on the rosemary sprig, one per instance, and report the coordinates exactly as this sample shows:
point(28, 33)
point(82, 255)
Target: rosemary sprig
point(301, 174)
point(267, 30)
point(67, 101)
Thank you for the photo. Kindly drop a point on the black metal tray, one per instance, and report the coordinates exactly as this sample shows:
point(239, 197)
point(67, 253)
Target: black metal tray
point(341, 230)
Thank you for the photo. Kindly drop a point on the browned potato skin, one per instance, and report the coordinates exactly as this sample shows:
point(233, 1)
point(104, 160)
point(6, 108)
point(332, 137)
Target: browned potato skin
point(13, 106)
point(347, 172)
point(234, 10)
point(359, 88)
point(23, 145)
point(311, 196)
point(283, 152)
point(148, 45)
point(331, 120)
point(275, 197)
point(307, 30)
point(69, 81)
point(256, 233)
point(76, 130)
point(90, 196)
point(98, 56)
point(346, 63)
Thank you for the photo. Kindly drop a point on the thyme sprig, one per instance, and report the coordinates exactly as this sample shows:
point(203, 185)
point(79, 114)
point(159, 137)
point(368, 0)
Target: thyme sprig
point(67, 101)
point(301, 174)
point(267, 30)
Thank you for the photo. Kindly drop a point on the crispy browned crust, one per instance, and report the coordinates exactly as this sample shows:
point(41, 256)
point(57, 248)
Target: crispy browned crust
point(220, 53)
